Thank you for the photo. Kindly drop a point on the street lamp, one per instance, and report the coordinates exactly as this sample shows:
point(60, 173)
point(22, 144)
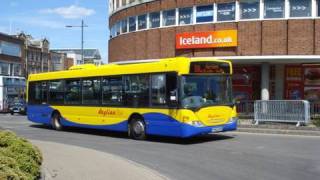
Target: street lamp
point(82, 26)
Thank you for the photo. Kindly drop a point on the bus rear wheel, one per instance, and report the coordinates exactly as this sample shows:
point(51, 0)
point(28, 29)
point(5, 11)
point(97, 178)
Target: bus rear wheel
point(137, 129)
point(55, 121)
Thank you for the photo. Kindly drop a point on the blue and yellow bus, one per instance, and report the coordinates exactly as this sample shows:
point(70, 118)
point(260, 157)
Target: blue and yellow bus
point(178, 97)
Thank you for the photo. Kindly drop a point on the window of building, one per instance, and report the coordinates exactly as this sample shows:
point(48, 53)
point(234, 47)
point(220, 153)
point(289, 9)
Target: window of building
point(91, 91)
point(249, 9)
point(137, 90)
point(112, 33)
point(204, 14)
point(4, 68)
point(73, 92)
point(56, 92)
point(17, 70)
point(169, 17)
point(300, 8)
point(112, 91)
point(158, 90)
point(118, 28)
point(185, 16)
point(318, 9)
point(154, 20)
point(273, 8)
point(226, 11)
point(124, 26)
point(142, 22)
point(132, 24)
point(10, 49)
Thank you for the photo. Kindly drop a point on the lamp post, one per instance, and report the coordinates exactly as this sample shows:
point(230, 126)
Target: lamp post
point(82, 42)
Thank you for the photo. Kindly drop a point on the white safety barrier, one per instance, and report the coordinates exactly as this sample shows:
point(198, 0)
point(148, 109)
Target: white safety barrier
point(292, 111)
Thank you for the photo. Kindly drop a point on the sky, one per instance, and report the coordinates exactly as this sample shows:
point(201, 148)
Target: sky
point(48, 18)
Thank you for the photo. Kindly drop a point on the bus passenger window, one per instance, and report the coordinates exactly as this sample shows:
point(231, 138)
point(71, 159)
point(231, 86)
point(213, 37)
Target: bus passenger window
point(158, 90)
point(56, 92)
point(91, 91)
point(137, 90)
point(112, 91)
point(38, 93)
point(73, 92)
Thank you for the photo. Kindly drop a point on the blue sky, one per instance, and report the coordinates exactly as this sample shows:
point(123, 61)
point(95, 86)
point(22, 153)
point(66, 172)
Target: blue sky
point(48, 18)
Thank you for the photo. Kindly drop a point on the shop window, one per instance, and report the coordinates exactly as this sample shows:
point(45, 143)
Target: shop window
point(56, 92)
point(137, 90)
point(204, 14)
point(273, 8)
point(158, 90)
point(249, 9)
point(73, 92)
point(118, 28)
point(142, 22)
point(154, 21)
point(226, 11)
point(132, 24)
point(169, 17)
point(91, 91)
point(300, 8)
point(112, 91)
point(185, 16)
point(124, 26)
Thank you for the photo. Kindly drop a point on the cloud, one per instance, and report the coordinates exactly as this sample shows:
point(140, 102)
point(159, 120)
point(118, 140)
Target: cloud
point(70, 12)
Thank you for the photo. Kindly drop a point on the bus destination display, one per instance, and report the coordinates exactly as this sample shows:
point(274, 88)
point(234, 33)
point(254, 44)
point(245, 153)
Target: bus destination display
point(209, 67)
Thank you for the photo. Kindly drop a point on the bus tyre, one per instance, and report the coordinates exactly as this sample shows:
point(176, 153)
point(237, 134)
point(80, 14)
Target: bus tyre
point(137, 129)
point(55, 122)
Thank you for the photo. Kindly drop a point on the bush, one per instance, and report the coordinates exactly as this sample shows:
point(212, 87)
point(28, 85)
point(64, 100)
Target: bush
point(316, 122)
point(19, 159)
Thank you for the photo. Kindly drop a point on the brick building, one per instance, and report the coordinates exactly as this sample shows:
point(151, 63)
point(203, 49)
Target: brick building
point(275, 47)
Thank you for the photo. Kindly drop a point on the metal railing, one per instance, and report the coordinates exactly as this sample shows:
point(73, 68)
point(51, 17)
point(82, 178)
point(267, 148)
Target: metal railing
point(289, 111)
point(245, 109)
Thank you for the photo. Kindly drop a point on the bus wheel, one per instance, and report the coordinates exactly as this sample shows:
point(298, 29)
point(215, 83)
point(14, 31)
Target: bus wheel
point(55, 121)
point(137, 129)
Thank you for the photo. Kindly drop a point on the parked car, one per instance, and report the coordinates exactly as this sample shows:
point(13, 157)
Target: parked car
point(18, 107)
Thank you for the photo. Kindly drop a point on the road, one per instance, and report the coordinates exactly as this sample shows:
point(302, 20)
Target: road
point(225, 156)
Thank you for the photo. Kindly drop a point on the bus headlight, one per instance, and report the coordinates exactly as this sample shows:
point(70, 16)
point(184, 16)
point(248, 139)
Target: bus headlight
point(233, 119)
point(196, 123)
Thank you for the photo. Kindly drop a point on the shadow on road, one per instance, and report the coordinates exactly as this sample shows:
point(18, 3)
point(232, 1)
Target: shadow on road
point(157, 139)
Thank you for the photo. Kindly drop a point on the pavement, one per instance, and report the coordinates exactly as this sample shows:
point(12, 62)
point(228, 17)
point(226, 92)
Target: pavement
point(223, 156)
point(63, 161)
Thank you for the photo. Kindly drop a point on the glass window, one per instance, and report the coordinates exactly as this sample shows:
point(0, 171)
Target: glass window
point(73, 91)
point(10, 49)
point(204, 14)
point(132, 24)
point(112, 91)
point(113, 31)
point(318, 9)
point(142, 22)
point(137, 90)
point(158, 89)
point(124, 26)
point(118, 28)
point(185, 16)
point(169, 17)
point(300, 8)
point(4, 68)
point(17, 70)
point(56, 92)
point(38, 92)
point(226, 12)
point(154, 19)
point(273, 8)
point(249, 9)
point(91, 91)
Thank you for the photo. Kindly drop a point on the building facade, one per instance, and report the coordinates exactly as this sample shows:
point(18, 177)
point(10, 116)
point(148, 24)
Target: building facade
point(90, 56)
point(11, 56)
point(274, 44)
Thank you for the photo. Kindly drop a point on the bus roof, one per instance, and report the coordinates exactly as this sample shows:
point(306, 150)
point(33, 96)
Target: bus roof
point(177, 64)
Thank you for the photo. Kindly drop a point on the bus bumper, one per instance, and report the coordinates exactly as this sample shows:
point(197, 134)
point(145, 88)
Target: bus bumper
point(189, 131)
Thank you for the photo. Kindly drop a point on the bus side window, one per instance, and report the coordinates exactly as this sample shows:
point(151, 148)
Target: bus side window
point(73, 92)
point(158, 90)
point(56, 92)
point(137, 90)
point(171, 84)
point(38, 92)
point(91, 91)
point(112, 91)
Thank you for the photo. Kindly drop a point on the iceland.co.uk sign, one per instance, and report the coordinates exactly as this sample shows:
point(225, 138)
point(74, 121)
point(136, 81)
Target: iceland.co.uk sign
point(212, 39)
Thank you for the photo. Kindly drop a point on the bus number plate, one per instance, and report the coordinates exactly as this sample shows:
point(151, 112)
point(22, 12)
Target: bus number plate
point(217, 129)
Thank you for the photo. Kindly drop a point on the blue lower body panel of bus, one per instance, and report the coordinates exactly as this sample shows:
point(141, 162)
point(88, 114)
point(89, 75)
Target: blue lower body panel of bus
point(156, 124)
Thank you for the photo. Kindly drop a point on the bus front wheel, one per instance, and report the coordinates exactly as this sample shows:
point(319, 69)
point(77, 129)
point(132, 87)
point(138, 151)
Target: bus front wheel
point(137, 129)
point(55, 121)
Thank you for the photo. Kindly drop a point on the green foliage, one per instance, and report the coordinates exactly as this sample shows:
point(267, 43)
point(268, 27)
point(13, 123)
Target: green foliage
point(19, 159)
point(316, 122)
